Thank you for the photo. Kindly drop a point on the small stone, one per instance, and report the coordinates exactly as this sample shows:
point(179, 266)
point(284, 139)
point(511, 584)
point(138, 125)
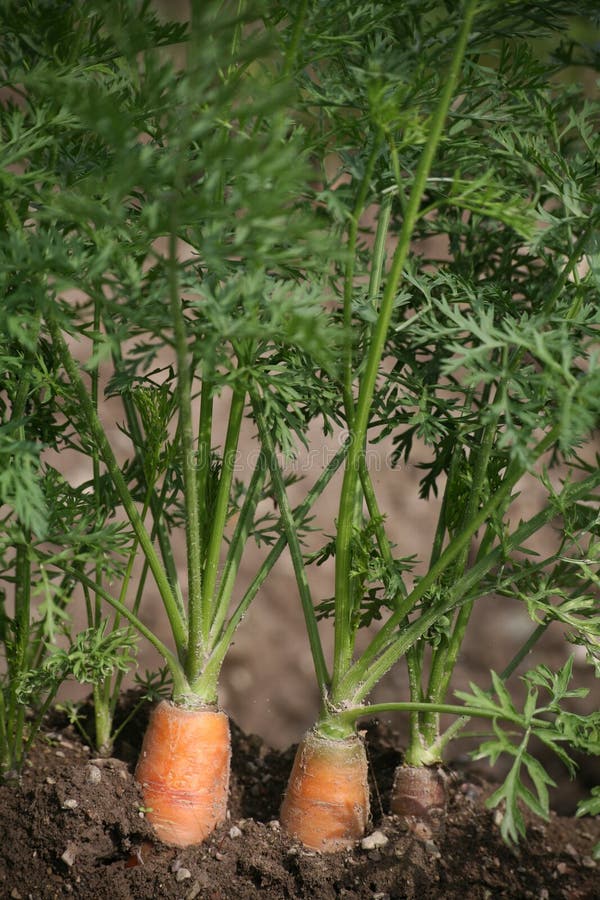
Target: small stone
point(60, 754)
point(571, 851)
point(182, 874)
point(193, 891)
point(50, 780)
point(176, 865)
point(432, 849)
point(93, 774)
point(588, 862)
point(219, 856)
point(15, 894)
point(70, 804)
point(422, 831)
point(372, 841)
point(498, 817)
point(274, 825)
point(381, 895)
point(69, 855)
point(470, 792)
point(562, 868)
point(235, 832)
point(544, 894)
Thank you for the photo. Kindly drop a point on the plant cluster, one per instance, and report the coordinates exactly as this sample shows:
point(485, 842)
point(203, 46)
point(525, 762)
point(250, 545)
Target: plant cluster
point(372, 216)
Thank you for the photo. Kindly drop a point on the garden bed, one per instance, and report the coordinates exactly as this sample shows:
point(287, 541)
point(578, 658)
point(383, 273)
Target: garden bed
point(73, 827)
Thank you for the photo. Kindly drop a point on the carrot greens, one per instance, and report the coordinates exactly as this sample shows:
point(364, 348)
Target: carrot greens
point(369, 220)
point(155, 198)
point(450, 152)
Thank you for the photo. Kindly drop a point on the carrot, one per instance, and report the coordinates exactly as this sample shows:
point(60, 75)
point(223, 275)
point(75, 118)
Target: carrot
point(184, 772)
point(326, 805)
point(420, 794)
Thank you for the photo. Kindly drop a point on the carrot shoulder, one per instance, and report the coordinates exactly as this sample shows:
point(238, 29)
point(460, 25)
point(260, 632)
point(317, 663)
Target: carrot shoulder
point(184, 772)
point(420, 794)
point(326, 805)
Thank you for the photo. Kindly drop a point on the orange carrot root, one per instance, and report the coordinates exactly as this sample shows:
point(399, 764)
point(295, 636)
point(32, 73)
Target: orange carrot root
point(420, 794)
point(326, 805)
point(184, 772)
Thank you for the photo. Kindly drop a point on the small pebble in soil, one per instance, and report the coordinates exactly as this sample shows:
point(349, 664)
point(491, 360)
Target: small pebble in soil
point(235, 832)
point(374, 840)
point(422, 831)
point(70, 804)
point(544, 894)
point(588, 862)
point(93, 774)
point(274, 825)
point(182, 874)
point(470, 792)
point(432, 849)
point(571, 851)
point(68, 857)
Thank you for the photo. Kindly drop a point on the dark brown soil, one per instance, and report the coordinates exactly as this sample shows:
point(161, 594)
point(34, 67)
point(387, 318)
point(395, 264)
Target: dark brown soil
point(73, 827)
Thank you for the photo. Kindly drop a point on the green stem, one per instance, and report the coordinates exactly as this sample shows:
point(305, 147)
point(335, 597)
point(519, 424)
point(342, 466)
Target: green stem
point(18, 662)
point(292, 50)
point(291, 534)
point(101, 691)
point(94, 380)
point(415, 655)
point(358, 210)
point(444, 739)
point(5, 754)
point(156, 506)
point(196, 635)
point(343, 566)
point(299, 515)
point(352, 715)
point(378, 259)
point(237, 545)
point(414, 665)
point(574, 258)
point(219, 516)
point(445, 656)
point(176, 621)
point(204, 460)
point(387, 646)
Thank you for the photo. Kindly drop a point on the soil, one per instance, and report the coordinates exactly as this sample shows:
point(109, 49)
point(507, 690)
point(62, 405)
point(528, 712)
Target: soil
point(73, 827)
